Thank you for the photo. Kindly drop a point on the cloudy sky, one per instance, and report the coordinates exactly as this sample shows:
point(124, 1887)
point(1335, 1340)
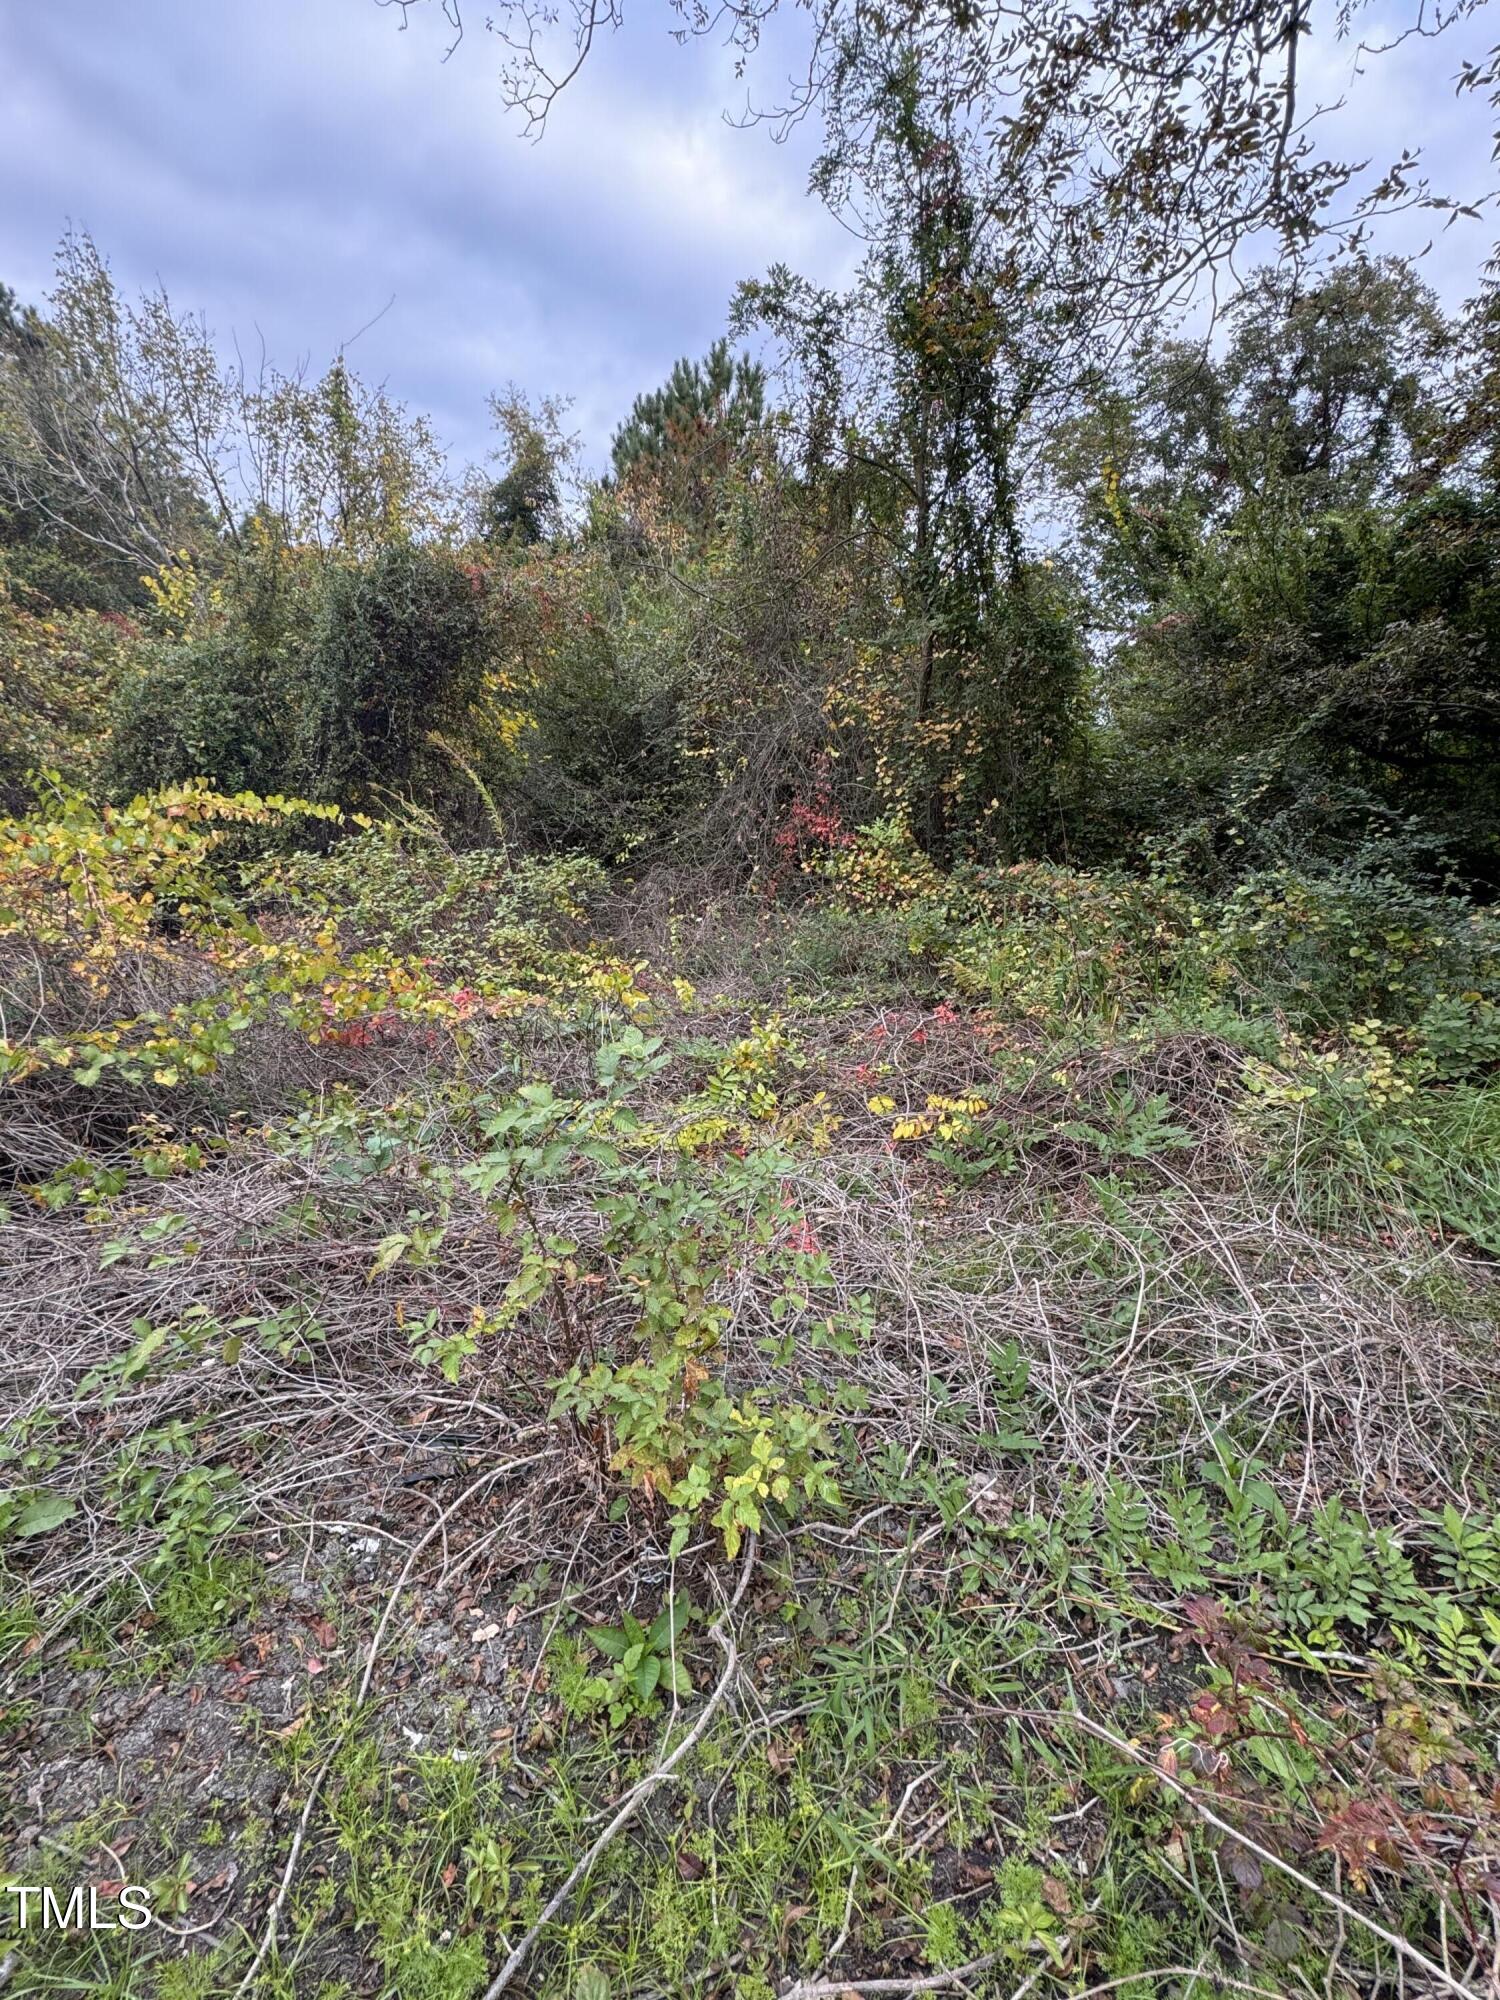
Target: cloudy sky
point(289, 166)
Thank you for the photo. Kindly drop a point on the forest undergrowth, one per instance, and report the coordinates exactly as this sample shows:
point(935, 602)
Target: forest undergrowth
point(925, 1433)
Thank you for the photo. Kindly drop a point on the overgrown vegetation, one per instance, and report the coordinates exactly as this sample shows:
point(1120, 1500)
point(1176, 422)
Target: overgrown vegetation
point(750, 1213)
point(1068, 1339)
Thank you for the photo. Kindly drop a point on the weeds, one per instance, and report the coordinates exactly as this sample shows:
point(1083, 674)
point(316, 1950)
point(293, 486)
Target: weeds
point(1090, 1373)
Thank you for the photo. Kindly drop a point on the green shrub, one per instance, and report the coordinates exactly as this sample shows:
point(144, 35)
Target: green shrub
point(1060, 945)
point(58, 676)
point(1458, 1037)
point(219, 706)
point(606, 767)
point(870, 952)
point(1331, 947)
point(398, 651)
point(400, 886)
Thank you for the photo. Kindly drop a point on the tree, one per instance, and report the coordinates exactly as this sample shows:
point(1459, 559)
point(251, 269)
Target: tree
point(46, 563)
point(18, 323)
point(1466, 440)
point(1325, 395)
point(712, 398)
point(123, 436)
point(1304, 595)
point(678, 441)
point(925, 380)
point(524, 505)
point(107, 413)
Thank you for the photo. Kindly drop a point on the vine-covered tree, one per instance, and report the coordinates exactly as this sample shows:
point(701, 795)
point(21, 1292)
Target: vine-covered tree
point(524, 505)
point(920, 388)
point(1296, 558)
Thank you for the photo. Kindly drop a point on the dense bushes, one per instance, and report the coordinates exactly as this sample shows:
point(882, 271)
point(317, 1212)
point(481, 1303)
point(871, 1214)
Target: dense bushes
point(219, 706)
point(398, 885)
point(1300, 555)
point(1330, 944)
point(1264, 669)
point(58, 672)
point(1317, 947)
point(398, 652)
point(331, 680)
point(604, 767)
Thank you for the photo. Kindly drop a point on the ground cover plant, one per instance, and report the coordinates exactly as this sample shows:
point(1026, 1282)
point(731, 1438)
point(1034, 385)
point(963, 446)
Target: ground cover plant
point(599, 1475)
point(750, 1210)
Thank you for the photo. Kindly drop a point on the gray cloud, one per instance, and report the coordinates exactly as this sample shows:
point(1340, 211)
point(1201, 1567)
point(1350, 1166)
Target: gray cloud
point(288, 166)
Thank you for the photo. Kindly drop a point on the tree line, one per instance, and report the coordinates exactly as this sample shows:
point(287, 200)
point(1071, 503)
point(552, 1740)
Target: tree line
point(971, 571)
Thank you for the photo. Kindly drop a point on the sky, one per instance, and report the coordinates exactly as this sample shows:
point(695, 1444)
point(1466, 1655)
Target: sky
point(294, 168)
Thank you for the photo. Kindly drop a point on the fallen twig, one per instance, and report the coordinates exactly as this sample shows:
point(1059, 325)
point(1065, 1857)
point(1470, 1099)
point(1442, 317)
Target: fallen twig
point(722, 1633)
point(278, 1902)
point(927, 1982)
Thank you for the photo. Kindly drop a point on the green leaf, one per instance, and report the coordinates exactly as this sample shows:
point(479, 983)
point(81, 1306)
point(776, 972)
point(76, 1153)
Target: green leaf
point(647, 1674)
point(142, 1352)
point(44, 1512)
point(1009, 1440)
point(669, 1623)
point(610, 1641)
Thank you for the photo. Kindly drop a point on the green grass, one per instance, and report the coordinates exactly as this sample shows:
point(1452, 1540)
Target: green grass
point(1159, 1391)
